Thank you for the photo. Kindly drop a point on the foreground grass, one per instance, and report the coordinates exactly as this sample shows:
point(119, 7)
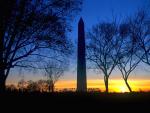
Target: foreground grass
point(87, 101)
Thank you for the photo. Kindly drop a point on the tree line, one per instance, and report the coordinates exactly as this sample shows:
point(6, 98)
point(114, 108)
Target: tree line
point(32, 86)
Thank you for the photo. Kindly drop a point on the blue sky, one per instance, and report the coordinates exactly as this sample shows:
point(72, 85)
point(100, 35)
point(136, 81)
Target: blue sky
point(94, 11)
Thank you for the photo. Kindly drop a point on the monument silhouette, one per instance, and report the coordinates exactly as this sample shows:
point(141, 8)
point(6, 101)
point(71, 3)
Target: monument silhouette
point(81, 61)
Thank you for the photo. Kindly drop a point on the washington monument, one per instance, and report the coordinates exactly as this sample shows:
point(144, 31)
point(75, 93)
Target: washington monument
point(81, 61)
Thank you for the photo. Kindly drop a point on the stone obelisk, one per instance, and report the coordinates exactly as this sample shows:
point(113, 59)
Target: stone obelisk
point(81, 61)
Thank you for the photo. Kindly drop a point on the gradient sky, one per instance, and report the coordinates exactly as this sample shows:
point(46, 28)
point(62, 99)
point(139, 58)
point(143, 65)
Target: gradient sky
point(94, 11)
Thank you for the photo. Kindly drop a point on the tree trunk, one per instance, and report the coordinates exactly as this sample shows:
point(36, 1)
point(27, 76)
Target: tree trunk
point(128, 85)
point(52, 88)
point(49, 88)
point(3, 77)
point(2, 66)
point(106, 83)
point(2, 82)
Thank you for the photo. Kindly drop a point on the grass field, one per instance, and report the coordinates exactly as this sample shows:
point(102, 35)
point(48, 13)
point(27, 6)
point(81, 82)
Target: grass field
point(102, 102)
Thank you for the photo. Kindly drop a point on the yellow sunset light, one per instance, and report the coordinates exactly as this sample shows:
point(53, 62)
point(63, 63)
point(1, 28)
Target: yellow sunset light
point(115, 85)
point(123, 89)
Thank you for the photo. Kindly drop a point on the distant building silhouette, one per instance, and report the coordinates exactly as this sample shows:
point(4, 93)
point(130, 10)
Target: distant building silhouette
point(81, 61)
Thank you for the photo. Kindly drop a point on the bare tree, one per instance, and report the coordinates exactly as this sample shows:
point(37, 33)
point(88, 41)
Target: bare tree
point(102, 48)
point(43, 85)
point(27, 26)
point(141, 31)
point(11, 87)
point(32, 86)
point(22, 85)
point(54, 70)
point(127, 58)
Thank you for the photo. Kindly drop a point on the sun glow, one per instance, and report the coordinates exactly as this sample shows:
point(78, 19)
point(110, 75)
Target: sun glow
point(115, 85)
point(123, 89)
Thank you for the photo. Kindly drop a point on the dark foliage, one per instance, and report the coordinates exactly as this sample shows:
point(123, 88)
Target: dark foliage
point(29, 26)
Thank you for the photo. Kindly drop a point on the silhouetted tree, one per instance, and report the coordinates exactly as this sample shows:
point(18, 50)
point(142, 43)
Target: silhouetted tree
point(32, 86)
point(140, 28)
point(11, 87)
point(22, 85)
point(129, 49)
point(28, 26)
point(43, 85)
point(102, 49)
point(54, 70)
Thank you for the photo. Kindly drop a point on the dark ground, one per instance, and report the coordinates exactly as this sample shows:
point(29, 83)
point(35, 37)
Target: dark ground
point(75, 102)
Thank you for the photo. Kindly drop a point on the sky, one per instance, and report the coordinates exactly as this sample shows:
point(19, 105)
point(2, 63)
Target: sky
point(94, 11)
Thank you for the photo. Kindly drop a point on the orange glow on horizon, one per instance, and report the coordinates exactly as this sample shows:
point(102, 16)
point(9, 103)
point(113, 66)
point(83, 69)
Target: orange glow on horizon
point(115, 85)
